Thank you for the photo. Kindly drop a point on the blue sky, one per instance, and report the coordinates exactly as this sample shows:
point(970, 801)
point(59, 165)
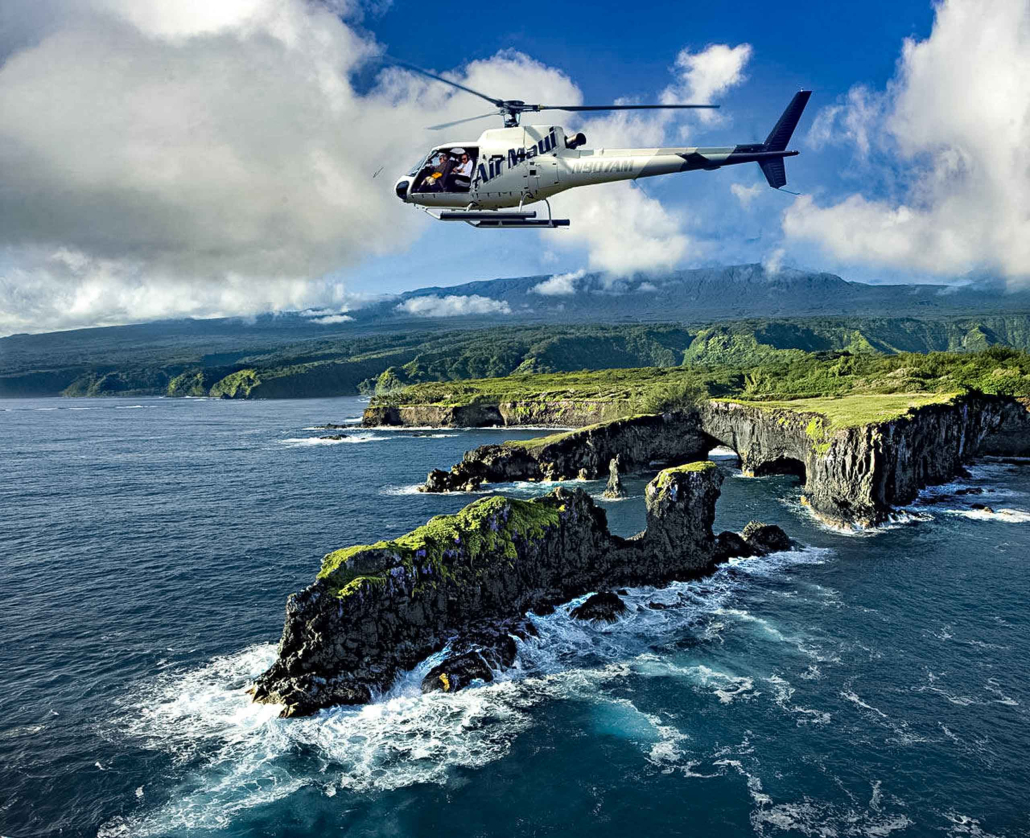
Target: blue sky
point(202, 159)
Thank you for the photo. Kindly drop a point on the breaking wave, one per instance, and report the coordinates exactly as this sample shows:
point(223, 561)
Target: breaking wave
point(304, 442)
point(240, 755)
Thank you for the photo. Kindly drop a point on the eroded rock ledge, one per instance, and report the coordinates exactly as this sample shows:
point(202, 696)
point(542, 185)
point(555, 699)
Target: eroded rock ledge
point(585, 453)
point(377, 610)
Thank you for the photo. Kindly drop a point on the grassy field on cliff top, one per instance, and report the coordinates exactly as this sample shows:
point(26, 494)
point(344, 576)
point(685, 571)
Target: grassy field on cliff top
point(907, 377)
point(855, 410)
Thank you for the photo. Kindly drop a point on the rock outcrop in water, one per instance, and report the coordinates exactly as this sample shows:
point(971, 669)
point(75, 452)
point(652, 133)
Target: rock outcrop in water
point(585, 453)
point(377, 610)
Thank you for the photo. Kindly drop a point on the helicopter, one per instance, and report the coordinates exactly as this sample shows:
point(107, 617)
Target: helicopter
point(488, 182)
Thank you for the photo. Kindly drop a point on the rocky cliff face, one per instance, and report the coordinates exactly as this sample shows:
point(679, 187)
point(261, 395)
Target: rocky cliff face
point(568, 413)
point(379, 609)
point(586, 453)
point(855, 475)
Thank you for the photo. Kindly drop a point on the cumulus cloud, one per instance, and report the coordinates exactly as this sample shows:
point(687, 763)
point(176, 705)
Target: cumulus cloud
point(706, 75)
point(559, 285)
point(746, 194)
point(201, 159)
point(955, 123)
point(624, 229)
point(453, 305)
point(332, 319)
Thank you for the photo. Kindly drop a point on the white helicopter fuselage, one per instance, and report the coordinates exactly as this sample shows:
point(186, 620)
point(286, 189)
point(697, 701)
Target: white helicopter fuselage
point(529, 163)
point(487, 183)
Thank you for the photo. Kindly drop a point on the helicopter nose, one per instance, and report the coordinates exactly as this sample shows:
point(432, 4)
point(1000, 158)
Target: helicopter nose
point(402, 189)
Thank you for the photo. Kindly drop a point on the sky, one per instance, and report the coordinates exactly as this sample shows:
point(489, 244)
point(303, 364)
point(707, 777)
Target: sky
point(166, 158)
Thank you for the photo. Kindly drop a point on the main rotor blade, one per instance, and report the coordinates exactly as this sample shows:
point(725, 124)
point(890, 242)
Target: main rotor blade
point(407, 66)
point(619, 107)
point(460, 121)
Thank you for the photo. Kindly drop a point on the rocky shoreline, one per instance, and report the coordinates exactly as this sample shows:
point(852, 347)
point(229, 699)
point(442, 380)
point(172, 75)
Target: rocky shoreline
point(854, 475)
point(464, 583)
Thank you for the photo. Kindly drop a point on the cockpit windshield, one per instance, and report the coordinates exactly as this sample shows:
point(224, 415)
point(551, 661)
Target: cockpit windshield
point(418, 166)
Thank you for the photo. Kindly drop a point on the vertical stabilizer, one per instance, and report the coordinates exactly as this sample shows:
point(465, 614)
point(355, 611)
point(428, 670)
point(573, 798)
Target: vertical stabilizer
point(774, 170)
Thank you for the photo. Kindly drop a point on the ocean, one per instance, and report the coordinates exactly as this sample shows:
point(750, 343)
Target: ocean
point(866, 685)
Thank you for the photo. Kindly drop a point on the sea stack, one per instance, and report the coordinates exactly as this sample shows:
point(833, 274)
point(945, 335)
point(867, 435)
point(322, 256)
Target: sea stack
point(614, 489)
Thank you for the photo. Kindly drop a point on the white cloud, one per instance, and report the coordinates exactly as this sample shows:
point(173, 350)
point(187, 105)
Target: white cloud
point(558, 285)
point(706, 75)
point(332, 319)
point(624, 229)
point(453, 305)
point(745, 194)
point(956, 120)
point(774, 261)
point(858, 119)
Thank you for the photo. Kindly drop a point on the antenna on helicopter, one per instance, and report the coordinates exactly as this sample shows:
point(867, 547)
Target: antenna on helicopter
point(512, 109)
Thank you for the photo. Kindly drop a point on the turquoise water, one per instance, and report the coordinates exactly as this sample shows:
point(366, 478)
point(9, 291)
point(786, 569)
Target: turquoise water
point(866, 685)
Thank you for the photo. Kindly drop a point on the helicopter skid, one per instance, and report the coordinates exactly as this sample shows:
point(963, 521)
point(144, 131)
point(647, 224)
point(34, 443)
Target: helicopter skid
point(479, 215)
point(503, 220)
point(523, 224)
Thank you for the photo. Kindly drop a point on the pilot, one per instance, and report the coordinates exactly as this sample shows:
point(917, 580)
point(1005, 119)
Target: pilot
point(434, 181)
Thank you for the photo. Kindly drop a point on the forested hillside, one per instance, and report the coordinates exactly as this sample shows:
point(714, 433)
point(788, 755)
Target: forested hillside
point(384, 363)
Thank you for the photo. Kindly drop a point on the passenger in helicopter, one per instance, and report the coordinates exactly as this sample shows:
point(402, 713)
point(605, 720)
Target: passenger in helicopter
point(461, 176)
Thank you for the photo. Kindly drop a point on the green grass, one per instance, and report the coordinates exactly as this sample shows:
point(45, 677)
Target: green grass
point(626, 386)
point(833, 414)
point(697, 467)
point(791, 376)
point(851, 411)
point(538, 442)
point(448, 546)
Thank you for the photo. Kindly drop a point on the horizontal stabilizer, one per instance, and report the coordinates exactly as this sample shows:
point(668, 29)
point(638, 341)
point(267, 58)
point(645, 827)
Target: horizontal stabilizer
point(774, 172)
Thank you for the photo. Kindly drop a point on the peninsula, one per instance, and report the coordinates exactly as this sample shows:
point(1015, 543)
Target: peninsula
point(464, 582)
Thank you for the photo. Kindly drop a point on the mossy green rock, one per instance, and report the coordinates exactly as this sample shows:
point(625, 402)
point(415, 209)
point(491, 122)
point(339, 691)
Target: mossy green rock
point(378, 609)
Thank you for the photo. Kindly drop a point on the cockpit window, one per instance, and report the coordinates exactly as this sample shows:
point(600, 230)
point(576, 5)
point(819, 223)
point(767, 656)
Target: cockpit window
point(418, 166)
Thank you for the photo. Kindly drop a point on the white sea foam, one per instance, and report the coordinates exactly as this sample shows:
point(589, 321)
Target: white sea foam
point(413, 489)
point(303, 442)
point(238, 754)
point(965, 825)
point(1004, 516)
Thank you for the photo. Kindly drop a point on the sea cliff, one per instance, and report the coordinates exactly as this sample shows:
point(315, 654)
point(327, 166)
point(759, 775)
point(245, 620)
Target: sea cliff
point(862, 456)
point(377, 610)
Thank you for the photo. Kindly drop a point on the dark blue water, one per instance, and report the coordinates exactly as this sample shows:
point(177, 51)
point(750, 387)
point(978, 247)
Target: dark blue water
point(868, 685)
